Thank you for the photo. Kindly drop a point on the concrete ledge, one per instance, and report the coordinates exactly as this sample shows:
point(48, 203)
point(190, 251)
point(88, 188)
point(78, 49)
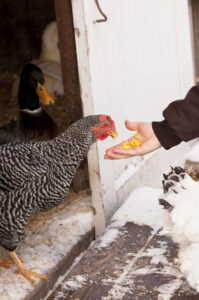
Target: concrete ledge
point(43, 288)
point(53, 240)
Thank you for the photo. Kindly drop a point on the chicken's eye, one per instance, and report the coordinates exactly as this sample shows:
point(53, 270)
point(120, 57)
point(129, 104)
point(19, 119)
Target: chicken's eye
point(104, 125)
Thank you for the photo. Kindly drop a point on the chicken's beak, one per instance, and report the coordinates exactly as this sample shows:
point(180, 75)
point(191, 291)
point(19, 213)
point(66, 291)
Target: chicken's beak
point(113, 134)
point(43, 94)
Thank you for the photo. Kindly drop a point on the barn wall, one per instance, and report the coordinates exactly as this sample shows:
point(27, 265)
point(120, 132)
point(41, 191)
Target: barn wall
point(138, 62)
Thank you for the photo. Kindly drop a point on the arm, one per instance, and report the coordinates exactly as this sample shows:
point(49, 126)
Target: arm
point(181, 124)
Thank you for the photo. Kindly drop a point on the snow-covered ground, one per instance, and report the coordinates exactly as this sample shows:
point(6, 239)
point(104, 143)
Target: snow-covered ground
point(50, 236)
point(142, 207)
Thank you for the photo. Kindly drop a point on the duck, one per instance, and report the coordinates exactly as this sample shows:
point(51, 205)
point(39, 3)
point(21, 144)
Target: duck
point(49, 62)
point(33, 123)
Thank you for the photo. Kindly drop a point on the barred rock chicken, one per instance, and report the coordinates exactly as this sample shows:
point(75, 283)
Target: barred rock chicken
point(33, 122)
point(36, 176)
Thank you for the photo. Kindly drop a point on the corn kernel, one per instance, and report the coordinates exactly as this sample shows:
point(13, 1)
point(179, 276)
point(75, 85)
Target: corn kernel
point(126, 147)
point(135, 143)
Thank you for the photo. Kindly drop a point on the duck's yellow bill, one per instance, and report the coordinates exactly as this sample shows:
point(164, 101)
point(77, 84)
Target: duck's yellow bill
point(43, 94)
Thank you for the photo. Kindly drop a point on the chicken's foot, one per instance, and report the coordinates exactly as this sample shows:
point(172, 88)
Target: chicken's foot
point(23, 271)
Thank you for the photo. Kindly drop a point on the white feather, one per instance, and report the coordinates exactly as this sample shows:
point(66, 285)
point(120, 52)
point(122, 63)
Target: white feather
point(183, 226)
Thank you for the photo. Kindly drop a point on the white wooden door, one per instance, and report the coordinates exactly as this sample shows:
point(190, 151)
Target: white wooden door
point(130, 67)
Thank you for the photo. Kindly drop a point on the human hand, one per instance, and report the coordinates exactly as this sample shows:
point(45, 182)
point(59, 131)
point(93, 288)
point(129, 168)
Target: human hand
point(145, 135)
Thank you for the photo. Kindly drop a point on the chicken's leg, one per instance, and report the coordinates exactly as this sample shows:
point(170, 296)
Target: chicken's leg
point(22, 270)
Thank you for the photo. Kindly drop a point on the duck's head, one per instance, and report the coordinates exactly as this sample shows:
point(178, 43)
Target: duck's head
point(32, 88)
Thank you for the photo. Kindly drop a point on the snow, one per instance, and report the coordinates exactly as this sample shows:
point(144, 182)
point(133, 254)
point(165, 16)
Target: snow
point(75, 283)
point(157, 255)
point(166, 291)
point(50, 236)
point(61, 278)
point(141, 207)
point(124, 279)
point(193, 155)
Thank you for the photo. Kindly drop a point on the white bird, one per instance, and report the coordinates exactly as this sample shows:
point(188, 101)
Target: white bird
point(181, 203)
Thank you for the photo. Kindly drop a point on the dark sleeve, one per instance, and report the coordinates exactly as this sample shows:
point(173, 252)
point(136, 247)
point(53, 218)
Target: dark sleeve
point(181, 120)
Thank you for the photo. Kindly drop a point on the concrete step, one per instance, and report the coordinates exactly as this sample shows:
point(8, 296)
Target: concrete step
point(53, 240)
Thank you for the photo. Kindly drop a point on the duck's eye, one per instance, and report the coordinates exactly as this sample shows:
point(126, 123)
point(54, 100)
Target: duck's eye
point(40, 89)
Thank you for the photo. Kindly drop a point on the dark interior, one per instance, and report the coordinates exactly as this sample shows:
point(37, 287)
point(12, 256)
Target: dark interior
point(22, 24)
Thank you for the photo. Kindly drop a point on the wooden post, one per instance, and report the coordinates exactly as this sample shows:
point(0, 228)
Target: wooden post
point(72, 85)
point(64, 18)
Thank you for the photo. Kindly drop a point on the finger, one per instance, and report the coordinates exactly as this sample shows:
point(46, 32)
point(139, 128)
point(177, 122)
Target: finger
point(131, 125)
point(128, 152)
point(115, 156)
point(112, 155)
point(119, 146)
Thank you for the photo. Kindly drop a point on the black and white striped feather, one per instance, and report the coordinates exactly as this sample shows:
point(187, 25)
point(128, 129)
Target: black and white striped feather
point(36, 176)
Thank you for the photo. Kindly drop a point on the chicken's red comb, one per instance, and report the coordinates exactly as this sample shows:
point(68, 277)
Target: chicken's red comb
point(102, 118)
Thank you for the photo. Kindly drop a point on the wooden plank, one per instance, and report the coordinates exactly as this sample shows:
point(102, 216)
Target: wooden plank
point(68, 60)
point(124, 270)
point(82, 48)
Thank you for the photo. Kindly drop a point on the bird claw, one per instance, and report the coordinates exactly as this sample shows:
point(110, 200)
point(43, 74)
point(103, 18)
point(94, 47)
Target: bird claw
point(5, 263)
point(28, 273)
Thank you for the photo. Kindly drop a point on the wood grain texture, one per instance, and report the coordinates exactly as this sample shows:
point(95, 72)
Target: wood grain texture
point(119, 268)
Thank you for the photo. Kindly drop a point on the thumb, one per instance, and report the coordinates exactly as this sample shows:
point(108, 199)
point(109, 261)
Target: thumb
point(131, 125)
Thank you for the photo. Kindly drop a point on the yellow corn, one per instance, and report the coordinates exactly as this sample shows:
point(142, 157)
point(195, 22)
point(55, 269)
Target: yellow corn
point(134, 143)
point(126, 147)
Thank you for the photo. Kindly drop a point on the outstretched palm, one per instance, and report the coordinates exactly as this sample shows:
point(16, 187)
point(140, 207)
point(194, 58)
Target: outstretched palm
point(145, 134)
